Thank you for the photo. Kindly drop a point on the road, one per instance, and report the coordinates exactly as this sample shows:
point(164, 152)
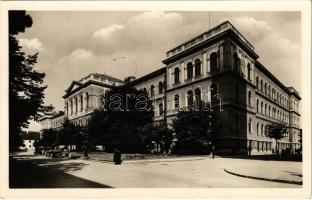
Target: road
point(204, 172)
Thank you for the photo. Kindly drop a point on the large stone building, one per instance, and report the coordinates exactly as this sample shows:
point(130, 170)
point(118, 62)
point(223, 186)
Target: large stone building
point(219, 67)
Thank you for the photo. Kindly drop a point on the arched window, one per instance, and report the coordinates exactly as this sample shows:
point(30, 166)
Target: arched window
point(265, 109)
point(87, 100)
point(213, 92)
point(190, 101)
point(261, 86)
point(197, 96)
point(257, 105)
point(265, 88)
point(189, 70)
point(262, 129)
point(197, 67)
point(261, 111)
point(236, 63)
point(76, 104)
point(152, 90)
point(269, 111)
point(249, 126)
point(81, 103)
point(176, 101)
point(145, 90)
point(257, 82)
point(269, 92)
point(249, 98)
point(236, 93)
point(214, 62)
point(257, 128)
point(176, 75)
point(161, 109)
point(160, 87)
point(249, 72)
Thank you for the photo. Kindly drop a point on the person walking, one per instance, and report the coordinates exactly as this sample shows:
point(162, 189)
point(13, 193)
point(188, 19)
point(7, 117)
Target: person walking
point(117, 157)
point(213, 151)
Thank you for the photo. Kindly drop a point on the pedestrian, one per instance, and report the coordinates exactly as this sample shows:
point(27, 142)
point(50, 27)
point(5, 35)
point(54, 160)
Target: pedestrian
point(212, 151)
point(249, 150)
point(117, 157)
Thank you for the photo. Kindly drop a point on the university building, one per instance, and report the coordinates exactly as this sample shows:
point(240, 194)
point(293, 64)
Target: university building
point(218, 67)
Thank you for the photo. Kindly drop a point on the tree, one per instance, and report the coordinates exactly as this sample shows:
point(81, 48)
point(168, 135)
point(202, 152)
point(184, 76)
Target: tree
point(276, 131)
point(71, 134)
point(116, 125)
point(49, 139)
point(25, 84)
point(156, 134)
point(195, 129)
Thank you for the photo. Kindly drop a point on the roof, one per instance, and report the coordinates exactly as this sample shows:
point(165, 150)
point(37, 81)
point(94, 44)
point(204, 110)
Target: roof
point(104, 76)
point(30, 135)
point(149, 76)
point(68, 93)
point(51, 115)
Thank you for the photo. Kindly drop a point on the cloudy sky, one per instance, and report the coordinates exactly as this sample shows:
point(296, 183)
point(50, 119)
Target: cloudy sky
point(73, 44)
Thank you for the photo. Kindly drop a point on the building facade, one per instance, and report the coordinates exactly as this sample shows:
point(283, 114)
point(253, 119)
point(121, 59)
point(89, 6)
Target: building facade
point(218, 67)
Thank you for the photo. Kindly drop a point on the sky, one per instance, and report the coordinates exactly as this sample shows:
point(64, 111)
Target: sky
point(73, 44)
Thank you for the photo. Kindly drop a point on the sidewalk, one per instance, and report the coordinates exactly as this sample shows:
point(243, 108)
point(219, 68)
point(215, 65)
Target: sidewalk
point(275, 174)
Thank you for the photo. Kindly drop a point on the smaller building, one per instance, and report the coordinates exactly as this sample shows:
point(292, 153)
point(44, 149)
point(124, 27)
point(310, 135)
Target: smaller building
point(29, 138)
point(52, 120)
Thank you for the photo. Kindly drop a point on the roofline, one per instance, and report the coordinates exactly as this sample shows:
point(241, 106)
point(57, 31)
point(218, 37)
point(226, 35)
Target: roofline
point(148, 76)
point(211, 29)
point(115, 79)
point(89, 82)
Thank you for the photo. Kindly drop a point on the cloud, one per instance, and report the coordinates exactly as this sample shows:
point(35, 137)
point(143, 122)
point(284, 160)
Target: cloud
point(140, 33)
point(105, 33)
point(31, 44)
point(279, 54)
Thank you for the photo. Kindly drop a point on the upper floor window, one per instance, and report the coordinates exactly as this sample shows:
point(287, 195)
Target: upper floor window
point(236, 63)
point(197, 67)
point(190, 101)
point(176, 101)
point(249, 126)
point(261, 86)
point(214, 62)
point(249, 98)
point(265, 88)
point(176, 75)
point(189, 70)
point(87, 100)
point(257, 82)
point(248, 72)
point(161, 109)
point(152, 90)
point(160, 87)
point(198, 96)
point(145, 90)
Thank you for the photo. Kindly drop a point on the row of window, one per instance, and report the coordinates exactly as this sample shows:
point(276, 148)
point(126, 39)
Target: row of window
point(265, 109)
point(152, 89)
point(196, 68)
point(272, 92)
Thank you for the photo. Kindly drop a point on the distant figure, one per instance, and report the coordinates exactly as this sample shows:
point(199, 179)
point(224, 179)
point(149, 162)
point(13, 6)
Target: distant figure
point(117, 157)
point(213, 151)
point(249, 150)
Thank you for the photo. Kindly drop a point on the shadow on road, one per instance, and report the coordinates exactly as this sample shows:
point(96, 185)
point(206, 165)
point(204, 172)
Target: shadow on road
point(25, 173)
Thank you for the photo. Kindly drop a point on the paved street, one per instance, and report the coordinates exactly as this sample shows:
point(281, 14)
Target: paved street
point(38, 171)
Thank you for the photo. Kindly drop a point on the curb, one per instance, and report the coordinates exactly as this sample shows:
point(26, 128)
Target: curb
point(265, 179)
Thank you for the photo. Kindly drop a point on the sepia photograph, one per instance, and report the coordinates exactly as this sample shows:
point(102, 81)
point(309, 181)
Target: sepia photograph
point(156, 98)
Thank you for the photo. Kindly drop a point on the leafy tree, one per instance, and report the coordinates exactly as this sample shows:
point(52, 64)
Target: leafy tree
point(49, 139)
point(71, 134)
point(195, 129)
point(25, 84)
point(116, 126)
point(156, 133)
point(276, 131)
